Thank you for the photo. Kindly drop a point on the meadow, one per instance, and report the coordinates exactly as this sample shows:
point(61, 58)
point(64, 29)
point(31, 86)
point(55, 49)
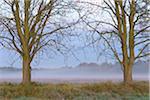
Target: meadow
point(138, 90)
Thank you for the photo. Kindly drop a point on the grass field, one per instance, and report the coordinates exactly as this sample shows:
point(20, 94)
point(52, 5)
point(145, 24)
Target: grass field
point(68, 91)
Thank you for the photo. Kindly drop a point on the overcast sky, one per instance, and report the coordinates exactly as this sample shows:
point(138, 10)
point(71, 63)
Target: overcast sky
point(88, 54)
point(7, 58)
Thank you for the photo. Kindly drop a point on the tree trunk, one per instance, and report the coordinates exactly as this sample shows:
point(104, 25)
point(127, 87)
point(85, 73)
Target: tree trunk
point(26, 70)
point(128, 74)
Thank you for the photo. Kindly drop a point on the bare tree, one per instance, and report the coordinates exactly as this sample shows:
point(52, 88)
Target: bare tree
point(27, 26)
point(125, 29)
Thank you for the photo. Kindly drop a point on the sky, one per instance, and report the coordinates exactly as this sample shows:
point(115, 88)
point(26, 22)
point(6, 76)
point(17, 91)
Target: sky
point(89, 54)
point(11, 59)
point(50, 60)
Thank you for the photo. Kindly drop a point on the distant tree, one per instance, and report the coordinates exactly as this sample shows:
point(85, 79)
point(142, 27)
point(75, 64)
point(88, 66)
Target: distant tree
point(125, 29)
point(28, 26)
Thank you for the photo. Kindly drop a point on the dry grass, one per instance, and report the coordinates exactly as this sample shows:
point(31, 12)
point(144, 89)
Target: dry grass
point(101, 91)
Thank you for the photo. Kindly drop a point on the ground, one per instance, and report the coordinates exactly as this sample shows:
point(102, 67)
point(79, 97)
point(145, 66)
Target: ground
point(68, 91)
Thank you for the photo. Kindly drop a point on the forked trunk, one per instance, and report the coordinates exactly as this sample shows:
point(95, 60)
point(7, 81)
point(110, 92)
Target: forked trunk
point(26, 71)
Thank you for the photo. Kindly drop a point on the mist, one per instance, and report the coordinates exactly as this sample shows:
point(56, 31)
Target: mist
point(84, 72)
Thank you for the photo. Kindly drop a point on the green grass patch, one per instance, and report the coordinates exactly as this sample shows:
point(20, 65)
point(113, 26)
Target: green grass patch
point(94, 91)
